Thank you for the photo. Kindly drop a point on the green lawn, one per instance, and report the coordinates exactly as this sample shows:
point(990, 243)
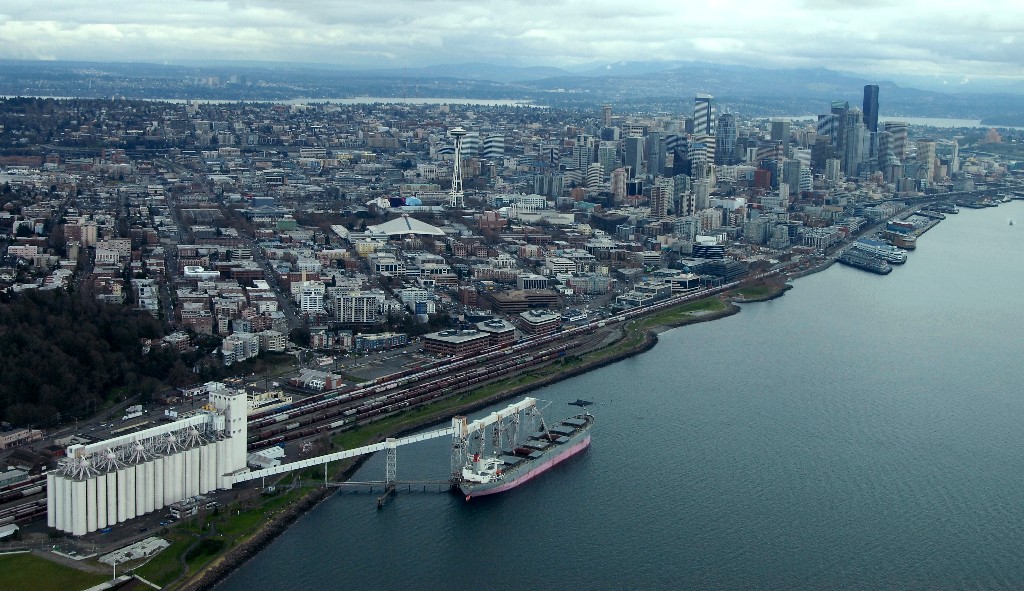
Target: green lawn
point(760, 291)
point(166, 566)
point(26, 572)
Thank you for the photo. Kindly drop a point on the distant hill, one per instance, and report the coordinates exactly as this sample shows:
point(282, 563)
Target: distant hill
point(656, 86)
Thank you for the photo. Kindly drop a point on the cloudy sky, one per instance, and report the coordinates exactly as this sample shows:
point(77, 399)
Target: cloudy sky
point(952, 39)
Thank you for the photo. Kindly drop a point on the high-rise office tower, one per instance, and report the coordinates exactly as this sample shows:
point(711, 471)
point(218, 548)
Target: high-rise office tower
point(725, 140)
point(853, 148)
point(832, 170)
point(655, 153)
point(839, 109)
point(886, 156)
point(825, 129)
point(806, 179)
point(608, 156)
point(583, 152)
point(791, 173)
point(703, 115)
point(634, 159)
point(780, 130)
point(493, 146)
point(701, 194)
point(871, 107)
point(697, 154)
point(619, 183)
point(898, 131)
point(606, 115)
point(926, 159)
point(661, 200)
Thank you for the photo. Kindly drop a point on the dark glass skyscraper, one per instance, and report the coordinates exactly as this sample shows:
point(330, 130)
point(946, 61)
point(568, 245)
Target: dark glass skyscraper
point(871, 107)
point(725, 140)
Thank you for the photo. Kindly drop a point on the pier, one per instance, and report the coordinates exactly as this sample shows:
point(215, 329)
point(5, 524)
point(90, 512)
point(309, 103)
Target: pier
point(503, 424)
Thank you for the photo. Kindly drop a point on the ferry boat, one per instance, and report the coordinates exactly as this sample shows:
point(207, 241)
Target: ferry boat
point(886, 252)
point(862, 260)
point(501, 471)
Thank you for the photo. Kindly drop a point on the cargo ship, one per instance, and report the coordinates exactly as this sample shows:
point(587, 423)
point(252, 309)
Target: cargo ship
point(488, 475)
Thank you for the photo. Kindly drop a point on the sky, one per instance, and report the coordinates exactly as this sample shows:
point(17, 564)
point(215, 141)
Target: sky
point(956, 41)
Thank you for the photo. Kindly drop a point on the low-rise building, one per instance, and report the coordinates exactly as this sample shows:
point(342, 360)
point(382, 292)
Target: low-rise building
point(380, 342)
point(452, 343)
point(539, 322)
point(191, 506)
point(239, 347)
point(18, 437)
point(500, 332)
point(272, 340)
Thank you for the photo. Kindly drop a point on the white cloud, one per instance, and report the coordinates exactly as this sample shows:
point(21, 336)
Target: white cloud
point(880, 37)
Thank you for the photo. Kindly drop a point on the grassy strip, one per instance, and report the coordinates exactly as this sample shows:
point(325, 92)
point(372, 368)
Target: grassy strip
point(27, 572)
point(166, 566)
point(758, 291)
point(232, 526)
point(240, 522)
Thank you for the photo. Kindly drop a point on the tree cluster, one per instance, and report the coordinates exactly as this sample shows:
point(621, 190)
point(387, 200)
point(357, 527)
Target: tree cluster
point(64, 354)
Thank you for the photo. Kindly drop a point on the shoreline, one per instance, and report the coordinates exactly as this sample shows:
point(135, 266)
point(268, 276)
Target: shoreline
point(209, 576)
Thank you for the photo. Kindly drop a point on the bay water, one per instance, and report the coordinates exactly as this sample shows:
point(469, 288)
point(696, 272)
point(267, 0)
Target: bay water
point(860, 432)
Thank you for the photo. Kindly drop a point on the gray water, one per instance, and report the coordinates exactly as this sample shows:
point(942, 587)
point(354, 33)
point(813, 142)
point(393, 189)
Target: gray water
point(860, 432)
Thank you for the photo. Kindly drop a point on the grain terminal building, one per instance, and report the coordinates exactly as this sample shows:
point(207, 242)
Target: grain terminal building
point(111, 481)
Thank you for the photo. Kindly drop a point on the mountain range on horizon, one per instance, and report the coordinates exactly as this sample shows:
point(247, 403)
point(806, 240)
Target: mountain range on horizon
point(657, 85)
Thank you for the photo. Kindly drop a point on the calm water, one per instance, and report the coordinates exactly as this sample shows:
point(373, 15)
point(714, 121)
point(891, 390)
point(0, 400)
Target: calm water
point(860, 432)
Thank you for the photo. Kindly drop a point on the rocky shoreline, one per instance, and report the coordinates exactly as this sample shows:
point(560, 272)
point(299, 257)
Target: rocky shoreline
point(218, 570)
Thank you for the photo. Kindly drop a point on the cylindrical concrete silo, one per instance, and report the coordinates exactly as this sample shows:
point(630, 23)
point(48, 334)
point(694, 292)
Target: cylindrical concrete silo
point(222, 463)
point(158, 483)
point(129, 489)
point(122, 495)
point(194, 467)
point(206, 458)
point(101, 501)
point(79, 495)
point(90, 504)
point(148, 492)
point(177, 474)
point(51, 500)
point(111, 498)
point(140, 489)
point(65, 515)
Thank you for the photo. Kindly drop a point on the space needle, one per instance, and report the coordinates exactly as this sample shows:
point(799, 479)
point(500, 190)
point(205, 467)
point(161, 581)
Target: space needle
point(456, 199)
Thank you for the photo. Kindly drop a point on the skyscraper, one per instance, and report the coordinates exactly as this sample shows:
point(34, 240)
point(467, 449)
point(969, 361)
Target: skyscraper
point(606, 115)
point(898, 131)
point(608, 156)
point(871, 107)
point(634, 155)
point(780, 130)
point(853, 148)
point(839, 109)
point(655, 153)
point(926, 159)
point(725, 140)
point(703, 115)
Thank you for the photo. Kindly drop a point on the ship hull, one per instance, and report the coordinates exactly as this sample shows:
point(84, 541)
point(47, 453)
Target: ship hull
point(529, 470)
